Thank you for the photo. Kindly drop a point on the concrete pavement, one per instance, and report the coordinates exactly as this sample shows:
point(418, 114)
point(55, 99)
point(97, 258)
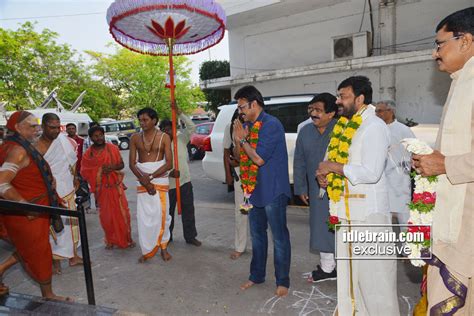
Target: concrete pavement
point(201, 281)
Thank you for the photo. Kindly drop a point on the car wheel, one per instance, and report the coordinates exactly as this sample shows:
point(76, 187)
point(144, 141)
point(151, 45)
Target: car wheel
point(124, 144)
point(193, 152)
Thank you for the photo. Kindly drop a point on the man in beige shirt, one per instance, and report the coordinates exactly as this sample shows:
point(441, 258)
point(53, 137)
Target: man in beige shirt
point(186, 187)
point(450, 288)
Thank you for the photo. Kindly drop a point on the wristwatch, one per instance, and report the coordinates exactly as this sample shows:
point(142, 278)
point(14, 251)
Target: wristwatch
point(242, 141)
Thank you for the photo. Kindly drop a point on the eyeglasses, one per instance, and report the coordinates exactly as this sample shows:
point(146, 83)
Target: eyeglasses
point(380, 110)
point(240, 107)
point(438, 44)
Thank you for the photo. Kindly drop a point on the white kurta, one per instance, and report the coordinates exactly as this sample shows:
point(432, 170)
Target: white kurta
point(241, 220)
point(397, 171)
point(61, 157)
point(374, 281)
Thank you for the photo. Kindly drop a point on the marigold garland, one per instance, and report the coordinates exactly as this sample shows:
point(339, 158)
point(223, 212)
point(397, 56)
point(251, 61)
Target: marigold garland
point(248, 169)
point(338, 151)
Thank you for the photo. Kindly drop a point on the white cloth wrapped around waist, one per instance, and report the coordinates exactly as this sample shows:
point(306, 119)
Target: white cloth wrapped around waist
point(150, 167)
point(153, 219)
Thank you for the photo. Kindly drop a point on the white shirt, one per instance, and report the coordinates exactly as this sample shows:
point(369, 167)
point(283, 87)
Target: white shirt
point(61, 157)
point(365, 169)
point(303, 124)
point(397, 169)
point(227, 140)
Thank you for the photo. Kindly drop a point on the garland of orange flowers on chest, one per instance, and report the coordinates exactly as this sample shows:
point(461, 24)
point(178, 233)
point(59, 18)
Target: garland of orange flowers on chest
point(338, 151)
point(248, 169)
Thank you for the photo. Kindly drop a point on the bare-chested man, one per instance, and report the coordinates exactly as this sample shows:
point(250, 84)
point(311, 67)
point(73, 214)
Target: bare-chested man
point(60, 153)
point(151, 169)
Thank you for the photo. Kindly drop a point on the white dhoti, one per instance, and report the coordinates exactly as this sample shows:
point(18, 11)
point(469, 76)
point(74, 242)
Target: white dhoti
point(64, 244)
point(153, 218)
point(374, 282)
point(61, 157)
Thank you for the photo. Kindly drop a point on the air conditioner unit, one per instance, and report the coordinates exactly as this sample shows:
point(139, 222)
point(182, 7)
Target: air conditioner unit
point(351, 46)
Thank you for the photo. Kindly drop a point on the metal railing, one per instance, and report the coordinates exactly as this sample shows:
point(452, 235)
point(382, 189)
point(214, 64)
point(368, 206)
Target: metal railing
point(16, 208)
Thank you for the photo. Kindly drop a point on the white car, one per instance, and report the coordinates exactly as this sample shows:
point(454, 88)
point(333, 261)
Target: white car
point(290, 110)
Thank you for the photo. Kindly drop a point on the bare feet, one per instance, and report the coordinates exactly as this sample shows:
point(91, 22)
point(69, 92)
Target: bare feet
point(235, 255)
point(132, 244)
point(109, 246)
point(247, 285)
point(165, 255)
point(3, 288)
point(142, 259)
point(57, 267)
point(281, 291)
point(76, 261)
point(48, 294)
point(59, 298)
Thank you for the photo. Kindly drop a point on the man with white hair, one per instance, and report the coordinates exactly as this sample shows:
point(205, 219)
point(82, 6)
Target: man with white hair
point(397, 168)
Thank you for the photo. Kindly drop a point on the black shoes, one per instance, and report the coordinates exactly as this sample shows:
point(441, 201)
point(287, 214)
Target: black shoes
point(319, 275)
point(194, 242)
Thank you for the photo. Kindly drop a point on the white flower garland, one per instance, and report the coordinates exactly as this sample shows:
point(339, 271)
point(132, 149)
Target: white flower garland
point(422, 204)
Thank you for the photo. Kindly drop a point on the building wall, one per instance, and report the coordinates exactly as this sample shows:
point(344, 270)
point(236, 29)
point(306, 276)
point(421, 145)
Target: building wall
point(306, 38)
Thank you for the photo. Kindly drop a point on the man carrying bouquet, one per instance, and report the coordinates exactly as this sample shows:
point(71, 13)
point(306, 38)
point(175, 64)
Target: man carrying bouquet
point(261, 146)
point(451, 269)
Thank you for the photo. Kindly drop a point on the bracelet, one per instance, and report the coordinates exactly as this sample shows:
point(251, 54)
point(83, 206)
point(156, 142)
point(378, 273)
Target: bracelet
point(242, 141)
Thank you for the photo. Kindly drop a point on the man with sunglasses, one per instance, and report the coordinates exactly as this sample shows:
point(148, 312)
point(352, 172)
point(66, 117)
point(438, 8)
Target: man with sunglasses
point(450, 288)
point(272, 188)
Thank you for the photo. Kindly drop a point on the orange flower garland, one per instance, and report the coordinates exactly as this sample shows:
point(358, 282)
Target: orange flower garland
point(248, 169)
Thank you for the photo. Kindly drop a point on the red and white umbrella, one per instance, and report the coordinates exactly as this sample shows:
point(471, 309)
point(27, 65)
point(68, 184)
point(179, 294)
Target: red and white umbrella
point(167, 28)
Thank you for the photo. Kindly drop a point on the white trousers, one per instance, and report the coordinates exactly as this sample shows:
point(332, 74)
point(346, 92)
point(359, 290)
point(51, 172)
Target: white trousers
point(241, 220)
point(328, 263)
point(374, 281)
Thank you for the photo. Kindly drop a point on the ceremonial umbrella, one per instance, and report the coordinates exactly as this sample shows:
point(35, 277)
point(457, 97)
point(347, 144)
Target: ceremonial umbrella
point(167, 28)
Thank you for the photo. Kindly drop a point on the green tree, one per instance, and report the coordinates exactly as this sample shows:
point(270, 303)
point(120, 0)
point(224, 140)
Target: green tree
point(33, 64)
point(139, 81)
point(211, 70)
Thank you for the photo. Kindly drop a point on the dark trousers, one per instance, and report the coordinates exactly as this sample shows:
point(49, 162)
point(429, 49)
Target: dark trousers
point(274, 214)
point(187, 208)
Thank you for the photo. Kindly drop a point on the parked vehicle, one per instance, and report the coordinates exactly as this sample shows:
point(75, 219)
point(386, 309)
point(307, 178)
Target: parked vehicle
point(122, 129)
point(200, 141)
point(290, 110)
point(81, 120)
point(198, 119)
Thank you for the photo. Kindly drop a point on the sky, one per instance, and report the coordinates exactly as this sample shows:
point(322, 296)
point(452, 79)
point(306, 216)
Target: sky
point(82, 24)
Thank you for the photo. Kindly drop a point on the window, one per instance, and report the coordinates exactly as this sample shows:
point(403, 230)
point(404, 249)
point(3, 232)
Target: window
point(126, 126)
point(203, 130)
point(111, 128)
point(289, 114)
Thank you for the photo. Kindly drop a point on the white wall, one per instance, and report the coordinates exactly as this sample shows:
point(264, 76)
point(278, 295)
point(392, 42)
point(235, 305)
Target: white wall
point(305, 38)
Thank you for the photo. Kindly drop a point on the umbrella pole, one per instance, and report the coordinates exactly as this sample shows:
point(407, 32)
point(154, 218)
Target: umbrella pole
point(174, 123)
